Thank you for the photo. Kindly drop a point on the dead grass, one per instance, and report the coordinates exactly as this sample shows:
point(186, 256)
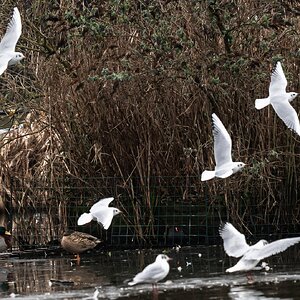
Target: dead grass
point(126, 89)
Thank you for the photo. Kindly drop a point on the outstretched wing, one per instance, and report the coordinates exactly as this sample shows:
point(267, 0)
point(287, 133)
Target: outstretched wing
point(101, 204)
point(13, 32)
point(272, 248)
point(222, 143)
point(287, 114)
point(234, 242)
point(104, 217)
point(4, 59)
point(278, 81)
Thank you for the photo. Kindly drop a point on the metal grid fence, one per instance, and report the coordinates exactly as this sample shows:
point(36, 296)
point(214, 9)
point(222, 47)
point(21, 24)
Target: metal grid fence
point(168, 211)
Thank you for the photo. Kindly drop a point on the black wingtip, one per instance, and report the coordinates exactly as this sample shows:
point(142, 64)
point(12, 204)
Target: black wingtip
point(274, 68)
point(221, 227)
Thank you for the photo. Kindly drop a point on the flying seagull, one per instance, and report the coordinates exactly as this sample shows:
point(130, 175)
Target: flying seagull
point(222, 150)
point(279, 99)
point(101, 213)
point(8, 56)
point(154, 272)
point(235, 245)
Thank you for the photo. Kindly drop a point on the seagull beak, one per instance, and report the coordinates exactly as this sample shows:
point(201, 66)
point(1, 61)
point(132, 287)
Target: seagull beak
point(169, 258)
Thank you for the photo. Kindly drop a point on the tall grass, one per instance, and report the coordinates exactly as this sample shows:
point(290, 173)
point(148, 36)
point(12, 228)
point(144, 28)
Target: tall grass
point(127, 89)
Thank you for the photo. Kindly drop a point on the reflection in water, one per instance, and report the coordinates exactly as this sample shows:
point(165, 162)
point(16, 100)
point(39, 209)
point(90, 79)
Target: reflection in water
point(33, 275)
point(201, 275)
point(245, 293)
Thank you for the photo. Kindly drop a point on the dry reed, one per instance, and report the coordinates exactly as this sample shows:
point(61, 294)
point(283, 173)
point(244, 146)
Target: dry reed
point(126, 89)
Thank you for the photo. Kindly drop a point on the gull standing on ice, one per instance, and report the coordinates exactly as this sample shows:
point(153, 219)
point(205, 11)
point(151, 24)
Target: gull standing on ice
point(222, 151)
point(8, 56)
point(235, 245)
point(101, 213)
point(154, 272)
point(279, 99)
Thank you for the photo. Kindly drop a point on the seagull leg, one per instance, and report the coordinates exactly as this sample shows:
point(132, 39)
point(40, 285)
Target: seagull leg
point(77, 256)
point(154, 291)
point(249, 278)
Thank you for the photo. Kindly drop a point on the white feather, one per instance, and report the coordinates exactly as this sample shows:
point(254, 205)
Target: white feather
point(101, 213)
point(9, 41)
point(222, 152)
point(154, 272)
point(235, 245)
point(84, 219)
point(279, 99)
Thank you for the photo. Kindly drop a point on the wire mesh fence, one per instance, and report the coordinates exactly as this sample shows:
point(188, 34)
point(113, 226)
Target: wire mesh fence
point(164, 211)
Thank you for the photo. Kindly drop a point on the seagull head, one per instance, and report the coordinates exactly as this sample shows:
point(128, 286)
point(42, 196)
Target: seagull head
point(116, 211)
point(238, 166)
point(292, 96)
point(18, 56)
point(162, 257)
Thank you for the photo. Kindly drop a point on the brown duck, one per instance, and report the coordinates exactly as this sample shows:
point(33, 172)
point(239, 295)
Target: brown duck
point(77, 242)
point(5, 239)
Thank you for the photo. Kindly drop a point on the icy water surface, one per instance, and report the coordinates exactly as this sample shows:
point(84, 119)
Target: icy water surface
point(196, 273)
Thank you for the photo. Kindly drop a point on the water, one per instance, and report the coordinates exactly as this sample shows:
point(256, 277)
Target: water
point(196, 273)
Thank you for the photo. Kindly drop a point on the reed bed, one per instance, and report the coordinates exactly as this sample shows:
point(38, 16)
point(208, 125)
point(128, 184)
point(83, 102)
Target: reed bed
point(126, 89)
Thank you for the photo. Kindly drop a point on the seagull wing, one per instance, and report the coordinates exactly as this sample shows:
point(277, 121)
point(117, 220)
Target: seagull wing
point(234, 242)
point(272, 248)
point(4, 59)
point(100, 204)
point(278, 81)
point(151, 273)
point(104, 216)
point(222, 143)
point(13, 32)
point(287, 114)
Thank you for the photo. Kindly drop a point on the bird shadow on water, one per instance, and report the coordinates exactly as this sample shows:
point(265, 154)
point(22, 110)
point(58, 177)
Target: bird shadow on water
point(196, 272)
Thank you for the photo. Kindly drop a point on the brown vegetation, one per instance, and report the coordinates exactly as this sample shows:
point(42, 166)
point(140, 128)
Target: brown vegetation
point(126, 89)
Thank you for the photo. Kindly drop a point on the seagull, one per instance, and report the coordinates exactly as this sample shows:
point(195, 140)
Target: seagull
point(101, 213)
point(154, 272)
point(235, 245)
point(8, 56)
point(279, 99)
point(222, 150)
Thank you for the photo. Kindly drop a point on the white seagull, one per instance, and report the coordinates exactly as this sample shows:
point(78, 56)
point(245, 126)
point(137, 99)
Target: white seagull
point(101, 213)
point(154, 272)
point(235, 245)
point(279, 99)
point(8, 56)
point(222, 150)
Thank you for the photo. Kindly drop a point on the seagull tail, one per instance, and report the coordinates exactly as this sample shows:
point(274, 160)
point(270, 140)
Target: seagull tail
point(231, 270)
point(132, 283)
point(207, 175)
point(261, 103)
point(85, 218)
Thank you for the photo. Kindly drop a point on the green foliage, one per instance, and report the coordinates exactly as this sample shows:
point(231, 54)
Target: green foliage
point(120, 76)
point(87, 22)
